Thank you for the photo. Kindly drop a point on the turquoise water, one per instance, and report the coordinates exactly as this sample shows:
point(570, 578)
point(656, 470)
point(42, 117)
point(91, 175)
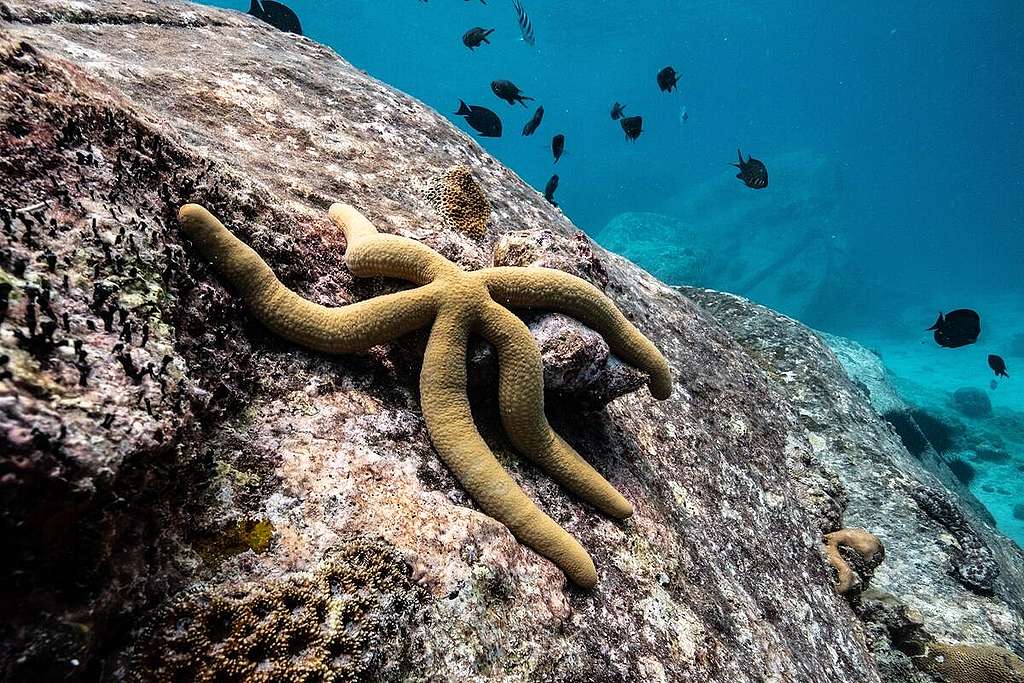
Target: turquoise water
point(892, 133)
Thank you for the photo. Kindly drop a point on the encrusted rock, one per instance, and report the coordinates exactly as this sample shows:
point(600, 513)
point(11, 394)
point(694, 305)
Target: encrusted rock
point(972, 563)
point(349, 620)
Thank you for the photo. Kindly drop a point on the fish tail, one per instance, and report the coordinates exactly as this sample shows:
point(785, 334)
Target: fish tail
point(463, 109)
point(937, 325)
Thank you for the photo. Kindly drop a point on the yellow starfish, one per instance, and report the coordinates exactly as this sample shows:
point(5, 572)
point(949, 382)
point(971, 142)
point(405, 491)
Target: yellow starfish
point(458, 303)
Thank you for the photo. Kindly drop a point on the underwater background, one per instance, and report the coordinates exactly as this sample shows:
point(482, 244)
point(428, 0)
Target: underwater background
point(891, 133)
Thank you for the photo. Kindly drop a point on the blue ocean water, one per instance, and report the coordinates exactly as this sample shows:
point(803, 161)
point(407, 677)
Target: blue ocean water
point(892, 133)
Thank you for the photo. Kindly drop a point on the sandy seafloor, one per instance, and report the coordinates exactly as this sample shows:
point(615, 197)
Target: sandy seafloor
point(927, 375)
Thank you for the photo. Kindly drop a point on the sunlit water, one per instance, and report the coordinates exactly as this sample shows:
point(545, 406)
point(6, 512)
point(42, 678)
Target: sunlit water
point(913, 109)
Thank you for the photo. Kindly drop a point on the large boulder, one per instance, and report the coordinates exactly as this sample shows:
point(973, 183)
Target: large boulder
point(667, 248)
point(181, 488)
point(952, 574)
point(784, 246)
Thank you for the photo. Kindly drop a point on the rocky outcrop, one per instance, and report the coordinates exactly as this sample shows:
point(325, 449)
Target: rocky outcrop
point(786, 247)
point(175, 477)
point(955, 578)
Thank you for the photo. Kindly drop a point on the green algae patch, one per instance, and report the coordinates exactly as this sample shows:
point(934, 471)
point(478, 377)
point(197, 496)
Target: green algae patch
point(248, 534)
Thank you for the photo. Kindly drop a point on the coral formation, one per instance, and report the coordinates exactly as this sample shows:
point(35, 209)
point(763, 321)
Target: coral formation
point(460, 202)
point(972, 664)
point(973, 564)
point(347, 621)
point(458, 304)
point(864, 551)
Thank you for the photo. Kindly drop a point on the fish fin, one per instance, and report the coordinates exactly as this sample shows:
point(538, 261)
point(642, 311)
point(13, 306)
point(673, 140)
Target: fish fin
point(938, 323)
point(255, 9)
point(463, 109)
point(740, 174)
point(740, 155)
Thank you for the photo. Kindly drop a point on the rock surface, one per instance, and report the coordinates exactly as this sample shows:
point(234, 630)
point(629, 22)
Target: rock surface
point(158, 449)
point(957, 577)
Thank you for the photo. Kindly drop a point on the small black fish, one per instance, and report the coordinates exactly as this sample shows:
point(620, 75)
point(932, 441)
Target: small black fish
point(509, 91)
point(276, 14)
point(632, 126)
point(476, 35)
point(534, 121)
point(617, 111)
point(549, 190)
point(482, 119)
point(998, 366)
point(558, 146)
point(667, 79)
point(753, 172)
point(957, 328)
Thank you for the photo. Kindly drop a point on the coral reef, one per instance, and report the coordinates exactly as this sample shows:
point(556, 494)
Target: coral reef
point(854, 554)
point(972, 564)
point(347, 621)
point(460, 202)
point(972, 664)
point(456, 303)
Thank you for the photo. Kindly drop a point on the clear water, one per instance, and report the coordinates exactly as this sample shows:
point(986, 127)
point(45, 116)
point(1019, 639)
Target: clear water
point(916, 110)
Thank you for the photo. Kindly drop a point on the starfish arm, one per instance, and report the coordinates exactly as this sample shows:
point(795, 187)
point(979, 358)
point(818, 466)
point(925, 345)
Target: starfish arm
point(346, 329)
point(521, 395)
point(558, 291)
point(447, 414)
point(370, 253)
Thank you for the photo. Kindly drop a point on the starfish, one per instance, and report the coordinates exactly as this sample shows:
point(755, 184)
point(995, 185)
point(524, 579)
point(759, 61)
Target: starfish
point(458, 304)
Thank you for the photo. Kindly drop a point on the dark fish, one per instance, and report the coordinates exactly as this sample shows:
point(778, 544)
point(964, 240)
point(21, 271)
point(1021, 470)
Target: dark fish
point(632, 126)
point(957, 328)
point(482, 119)
point(525, 25)
point(998, 366)
point(534, 121)
point(558, 146)
point(276, 14)
point(667, 79)
point(509, 91)
point(753, 172)
point(549, 190)
point(476, 35)
point(617, 111)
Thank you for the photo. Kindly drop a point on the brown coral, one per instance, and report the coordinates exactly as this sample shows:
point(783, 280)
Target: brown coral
point(460, 202)
point(348, 621)
point(864, 549)
point(972, 664)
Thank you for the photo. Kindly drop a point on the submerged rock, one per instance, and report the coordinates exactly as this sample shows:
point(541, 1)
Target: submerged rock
point(165, 419)
point(972, 402)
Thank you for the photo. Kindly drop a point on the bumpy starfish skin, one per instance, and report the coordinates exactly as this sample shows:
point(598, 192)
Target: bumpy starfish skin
point(459, 304)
